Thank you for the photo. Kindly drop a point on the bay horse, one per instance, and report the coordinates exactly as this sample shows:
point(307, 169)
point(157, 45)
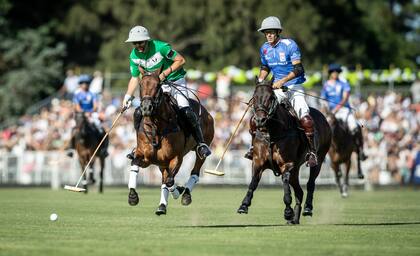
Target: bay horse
point(86, 139)
point(281, 145)
point(343, 144)
point(163, 139)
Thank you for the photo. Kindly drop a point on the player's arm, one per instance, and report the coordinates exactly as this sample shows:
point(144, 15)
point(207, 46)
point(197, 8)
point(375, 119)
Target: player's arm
point(132, 85)
point(178, 62)
point(297, 71)
point(95, 103)
point(346, 96)
point(264, 71)
point(76, 104)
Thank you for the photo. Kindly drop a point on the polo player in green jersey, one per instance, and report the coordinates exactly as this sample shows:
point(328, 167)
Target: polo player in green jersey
point(149, 55)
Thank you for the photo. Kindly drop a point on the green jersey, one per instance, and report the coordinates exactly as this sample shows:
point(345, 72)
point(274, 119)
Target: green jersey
point(158, 54)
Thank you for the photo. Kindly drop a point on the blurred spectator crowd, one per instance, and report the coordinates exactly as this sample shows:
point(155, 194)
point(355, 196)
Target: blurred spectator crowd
point(391, 122)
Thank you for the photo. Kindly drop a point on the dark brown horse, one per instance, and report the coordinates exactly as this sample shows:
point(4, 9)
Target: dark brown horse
point(163, 140)
point(86, 139)
point(343, 144)
point(280, 145)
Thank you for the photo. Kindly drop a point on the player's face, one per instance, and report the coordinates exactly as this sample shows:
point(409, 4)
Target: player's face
point(271, 35)
point(140, 45)
point(84, 86)
point(334, 75)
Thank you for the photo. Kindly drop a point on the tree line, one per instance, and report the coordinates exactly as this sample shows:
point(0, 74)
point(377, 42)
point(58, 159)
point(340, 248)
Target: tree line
point(39, 40)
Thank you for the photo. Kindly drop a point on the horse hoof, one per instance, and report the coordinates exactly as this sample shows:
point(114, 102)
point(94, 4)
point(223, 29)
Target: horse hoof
point(290, 222)
point(161, 210)
point(243, 209)
point(344, 195)
point(307, 212)
point(289, 214)
point(361, 176)
point(133, 197)
point(186, 197)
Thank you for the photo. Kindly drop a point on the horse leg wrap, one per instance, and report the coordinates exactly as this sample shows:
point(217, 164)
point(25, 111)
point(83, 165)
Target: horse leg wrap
point(164, 194)
point(191, 182)
point(174, 192)
point(132, 181)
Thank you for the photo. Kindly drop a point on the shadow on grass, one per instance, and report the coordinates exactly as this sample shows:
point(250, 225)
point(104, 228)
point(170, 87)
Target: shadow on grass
point(238, 226)
point(379, 224)
point(285, 225)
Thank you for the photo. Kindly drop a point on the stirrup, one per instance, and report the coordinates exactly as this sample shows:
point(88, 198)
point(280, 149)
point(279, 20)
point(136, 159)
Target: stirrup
point(203, 150)
point(313, 162)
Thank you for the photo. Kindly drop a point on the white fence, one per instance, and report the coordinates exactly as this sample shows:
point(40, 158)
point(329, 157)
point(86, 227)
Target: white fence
point(56, 169)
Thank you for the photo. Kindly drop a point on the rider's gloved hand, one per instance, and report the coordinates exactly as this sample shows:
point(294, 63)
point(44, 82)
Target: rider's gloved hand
point(128, 100)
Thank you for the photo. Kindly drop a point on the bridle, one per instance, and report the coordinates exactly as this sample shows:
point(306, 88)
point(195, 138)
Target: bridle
point(157, 99)
point(270, 110)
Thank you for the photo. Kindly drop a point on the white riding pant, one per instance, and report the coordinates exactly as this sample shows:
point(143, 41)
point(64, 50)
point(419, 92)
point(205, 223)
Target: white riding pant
point(344, 114)
point(94, 118)
point(180, 93)
point(296, 98)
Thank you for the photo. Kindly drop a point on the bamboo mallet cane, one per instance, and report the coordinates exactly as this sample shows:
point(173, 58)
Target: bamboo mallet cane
point(215, 171)
point(76, 188)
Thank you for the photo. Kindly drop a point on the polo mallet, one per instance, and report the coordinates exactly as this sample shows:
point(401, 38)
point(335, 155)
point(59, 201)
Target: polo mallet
point(215, 171)
point(76, 188)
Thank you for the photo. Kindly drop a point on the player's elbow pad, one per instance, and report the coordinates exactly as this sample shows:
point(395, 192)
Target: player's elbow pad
point(298, 69)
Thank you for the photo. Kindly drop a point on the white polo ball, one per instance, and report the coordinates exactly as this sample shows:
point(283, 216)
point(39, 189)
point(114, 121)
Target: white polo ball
point(53, 217)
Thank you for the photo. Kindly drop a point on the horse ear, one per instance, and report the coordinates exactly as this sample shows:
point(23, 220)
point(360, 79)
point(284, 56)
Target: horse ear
point(159, 70)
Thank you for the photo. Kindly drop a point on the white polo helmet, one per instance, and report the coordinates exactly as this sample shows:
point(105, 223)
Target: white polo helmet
point(270, 23)
point(138, 33)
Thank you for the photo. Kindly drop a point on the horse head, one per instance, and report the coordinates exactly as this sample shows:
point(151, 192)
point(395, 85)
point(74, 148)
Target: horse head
point(150, 92)
point(264, 103)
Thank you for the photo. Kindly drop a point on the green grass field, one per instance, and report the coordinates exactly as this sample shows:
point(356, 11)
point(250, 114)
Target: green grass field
point(385, 222)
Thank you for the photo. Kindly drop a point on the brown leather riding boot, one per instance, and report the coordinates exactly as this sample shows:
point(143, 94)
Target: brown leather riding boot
point(307, 124)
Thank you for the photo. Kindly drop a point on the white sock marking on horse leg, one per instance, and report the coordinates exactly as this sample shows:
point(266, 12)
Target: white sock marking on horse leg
point(192, 181)
point(164, 194)
point(174, 192)
point(132, 181)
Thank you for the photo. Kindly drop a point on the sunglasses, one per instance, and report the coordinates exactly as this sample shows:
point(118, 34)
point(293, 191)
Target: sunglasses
point(270, 31)
point(141, 43)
